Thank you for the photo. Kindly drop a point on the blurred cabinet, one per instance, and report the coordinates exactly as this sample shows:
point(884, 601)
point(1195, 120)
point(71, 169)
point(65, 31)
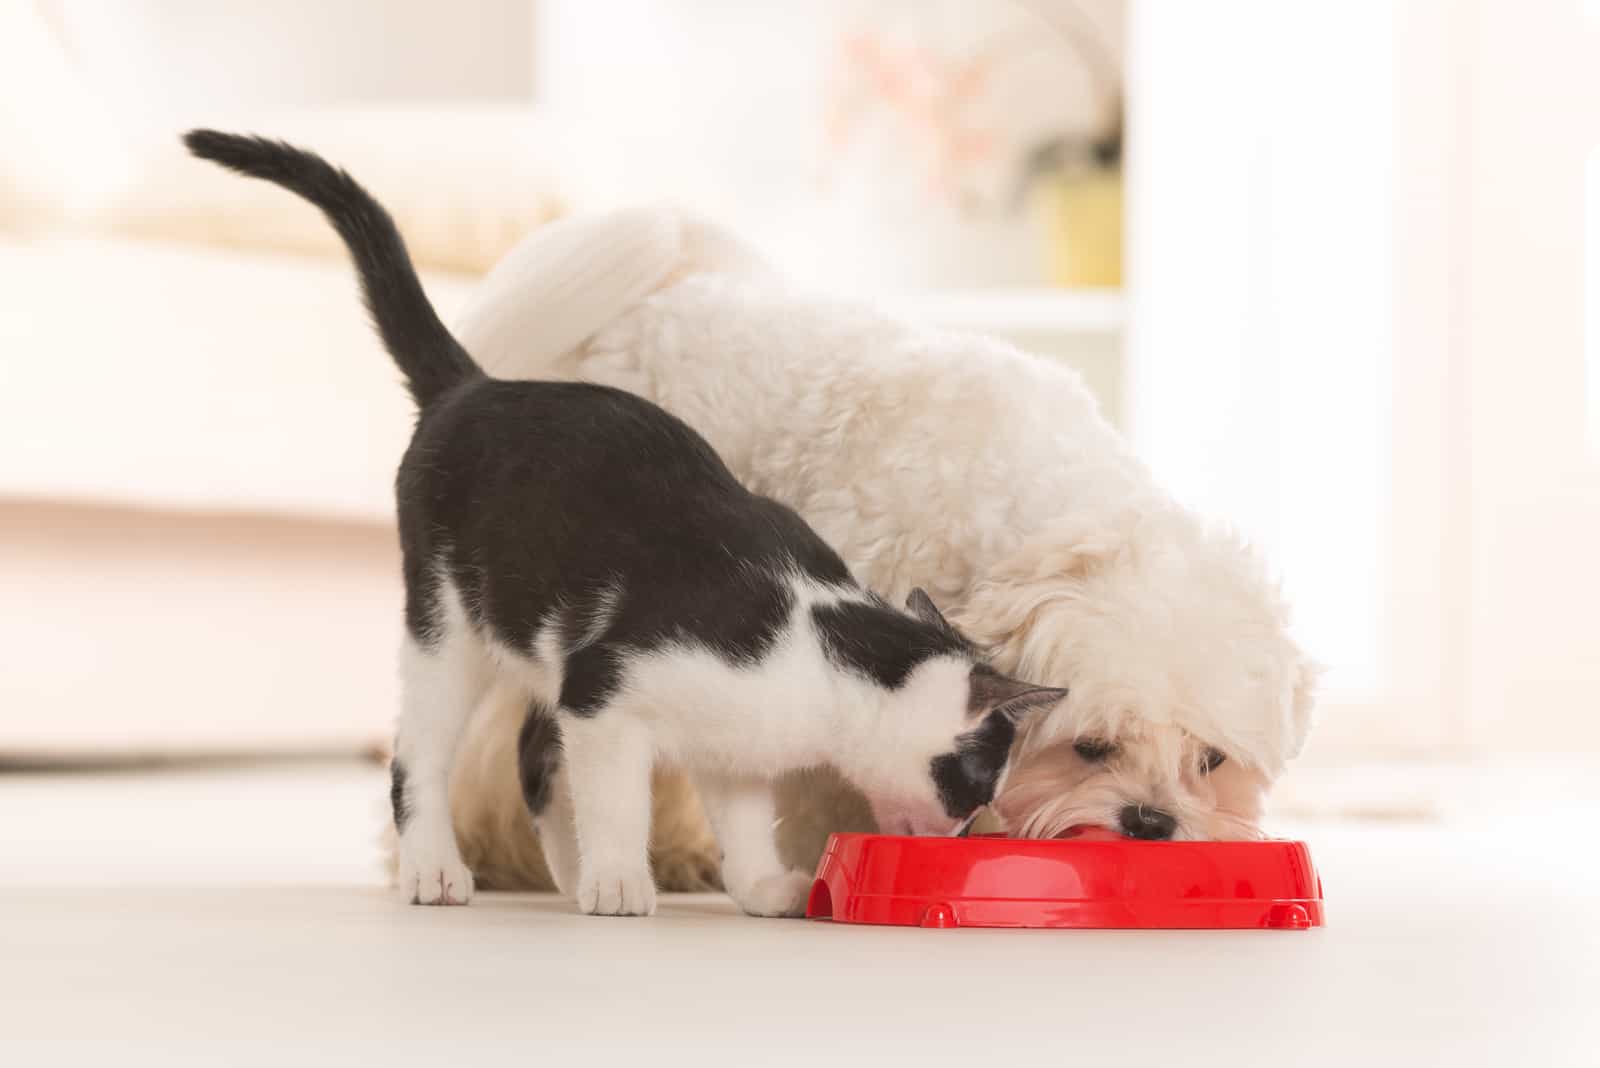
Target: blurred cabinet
point(155, 633)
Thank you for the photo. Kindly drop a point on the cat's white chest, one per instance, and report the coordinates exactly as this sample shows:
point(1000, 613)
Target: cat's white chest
point(764, 718)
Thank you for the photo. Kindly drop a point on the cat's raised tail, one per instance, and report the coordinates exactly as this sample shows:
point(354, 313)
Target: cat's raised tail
point(426, 352)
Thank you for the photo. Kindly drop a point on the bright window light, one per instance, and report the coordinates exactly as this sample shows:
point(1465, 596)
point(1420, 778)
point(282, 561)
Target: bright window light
point(1262, 320)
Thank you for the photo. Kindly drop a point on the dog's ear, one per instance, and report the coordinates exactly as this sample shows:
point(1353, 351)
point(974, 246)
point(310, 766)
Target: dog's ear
point(922, 606)
point(989, 691)
point(1003, 610)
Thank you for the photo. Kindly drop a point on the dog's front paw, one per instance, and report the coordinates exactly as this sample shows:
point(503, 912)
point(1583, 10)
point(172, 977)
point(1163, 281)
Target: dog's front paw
point(433, 876)
point(780, 894)
point(617, 892)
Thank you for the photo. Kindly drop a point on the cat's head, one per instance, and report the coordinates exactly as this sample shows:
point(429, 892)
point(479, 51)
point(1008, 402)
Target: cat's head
point(943, 742)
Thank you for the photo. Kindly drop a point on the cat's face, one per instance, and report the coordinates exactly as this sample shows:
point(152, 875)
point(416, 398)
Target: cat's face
point(955, 720)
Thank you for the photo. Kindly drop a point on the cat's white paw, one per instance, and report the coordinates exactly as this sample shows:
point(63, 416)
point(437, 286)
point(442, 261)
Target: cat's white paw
point(433, 876)
point(780, 894)
point(617, 892)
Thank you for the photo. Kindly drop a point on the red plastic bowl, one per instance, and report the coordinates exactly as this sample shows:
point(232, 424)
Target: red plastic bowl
point(1092, 879)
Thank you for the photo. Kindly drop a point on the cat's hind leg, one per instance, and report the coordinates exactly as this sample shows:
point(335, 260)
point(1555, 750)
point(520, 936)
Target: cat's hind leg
point(743, 814)
point(441, 683)
point(540, 767)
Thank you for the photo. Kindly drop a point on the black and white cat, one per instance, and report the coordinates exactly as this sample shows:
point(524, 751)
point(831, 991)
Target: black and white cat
point(593, 550)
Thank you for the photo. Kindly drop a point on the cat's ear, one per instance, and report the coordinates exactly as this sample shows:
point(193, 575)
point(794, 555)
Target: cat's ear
point(991, 691)
point(922, 606)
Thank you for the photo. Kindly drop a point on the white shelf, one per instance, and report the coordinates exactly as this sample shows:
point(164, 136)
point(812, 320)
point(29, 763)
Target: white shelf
point(1033, 309)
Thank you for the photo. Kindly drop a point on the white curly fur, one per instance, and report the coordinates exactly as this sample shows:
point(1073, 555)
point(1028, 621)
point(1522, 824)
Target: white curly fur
point(954, 462)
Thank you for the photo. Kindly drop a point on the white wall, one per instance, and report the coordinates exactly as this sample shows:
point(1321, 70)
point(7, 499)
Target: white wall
point(1533, 657)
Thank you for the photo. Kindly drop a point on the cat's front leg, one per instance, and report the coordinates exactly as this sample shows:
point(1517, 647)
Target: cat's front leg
point(744, 816)
point(607, 756)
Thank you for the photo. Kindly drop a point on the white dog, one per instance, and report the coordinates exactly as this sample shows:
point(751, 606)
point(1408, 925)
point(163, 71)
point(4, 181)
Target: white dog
point(930, 458)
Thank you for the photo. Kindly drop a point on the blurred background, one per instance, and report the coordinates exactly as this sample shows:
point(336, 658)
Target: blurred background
point(1334, 268)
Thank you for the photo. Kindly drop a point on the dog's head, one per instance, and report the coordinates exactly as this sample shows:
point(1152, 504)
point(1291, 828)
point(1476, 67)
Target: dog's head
point(1186, 694)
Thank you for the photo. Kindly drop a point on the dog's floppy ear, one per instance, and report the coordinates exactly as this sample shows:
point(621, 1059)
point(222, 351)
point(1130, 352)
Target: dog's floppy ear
point(990, 691)
point(1049, 568)
point(922, 606)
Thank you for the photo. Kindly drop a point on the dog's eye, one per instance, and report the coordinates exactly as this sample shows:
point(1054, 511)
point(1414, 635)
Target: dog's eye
point(1094, 750)
point(1211, 760)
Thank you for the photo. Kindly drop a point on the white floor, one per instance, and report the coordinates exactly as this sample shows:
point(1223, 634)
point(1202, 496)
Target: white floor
point(236, 916)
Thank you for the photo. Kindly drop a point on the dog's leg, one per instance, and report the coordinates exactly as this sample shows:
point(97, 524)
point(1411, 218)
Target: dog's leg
point(607, 757)
point(744, 817)
point(684, 855)
point(548, 795)
point(440, 687)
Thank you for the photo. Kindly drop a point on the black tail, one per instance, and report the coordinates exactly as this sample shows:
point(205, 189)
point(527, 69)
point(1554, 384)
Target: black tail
point(430, 357)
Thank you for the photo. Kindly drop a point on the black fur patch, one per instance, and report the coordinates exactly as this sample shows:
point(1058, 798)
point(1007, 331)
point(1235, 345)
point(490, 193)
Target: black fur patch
point(592, 676)
point(874, 640)
point(421, 597)
point(573, 503)
point(538, 758)
point(397, 795)
point(966, 778)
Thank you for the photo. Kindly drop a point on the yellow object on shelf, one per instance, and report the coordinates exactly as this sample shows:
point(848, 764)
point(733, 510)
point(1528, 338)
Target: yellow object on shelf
point(1083, 221)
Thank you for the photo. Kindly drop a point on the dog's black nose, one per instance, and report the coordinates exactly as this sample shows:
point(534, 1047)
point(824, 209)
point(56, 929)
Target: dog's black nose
point(1142, 821)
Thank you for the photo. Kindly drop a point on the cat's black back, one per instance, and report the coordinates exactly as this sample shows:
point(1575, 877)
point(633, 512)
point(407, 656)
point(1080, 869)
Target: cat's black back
point(540, 499)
